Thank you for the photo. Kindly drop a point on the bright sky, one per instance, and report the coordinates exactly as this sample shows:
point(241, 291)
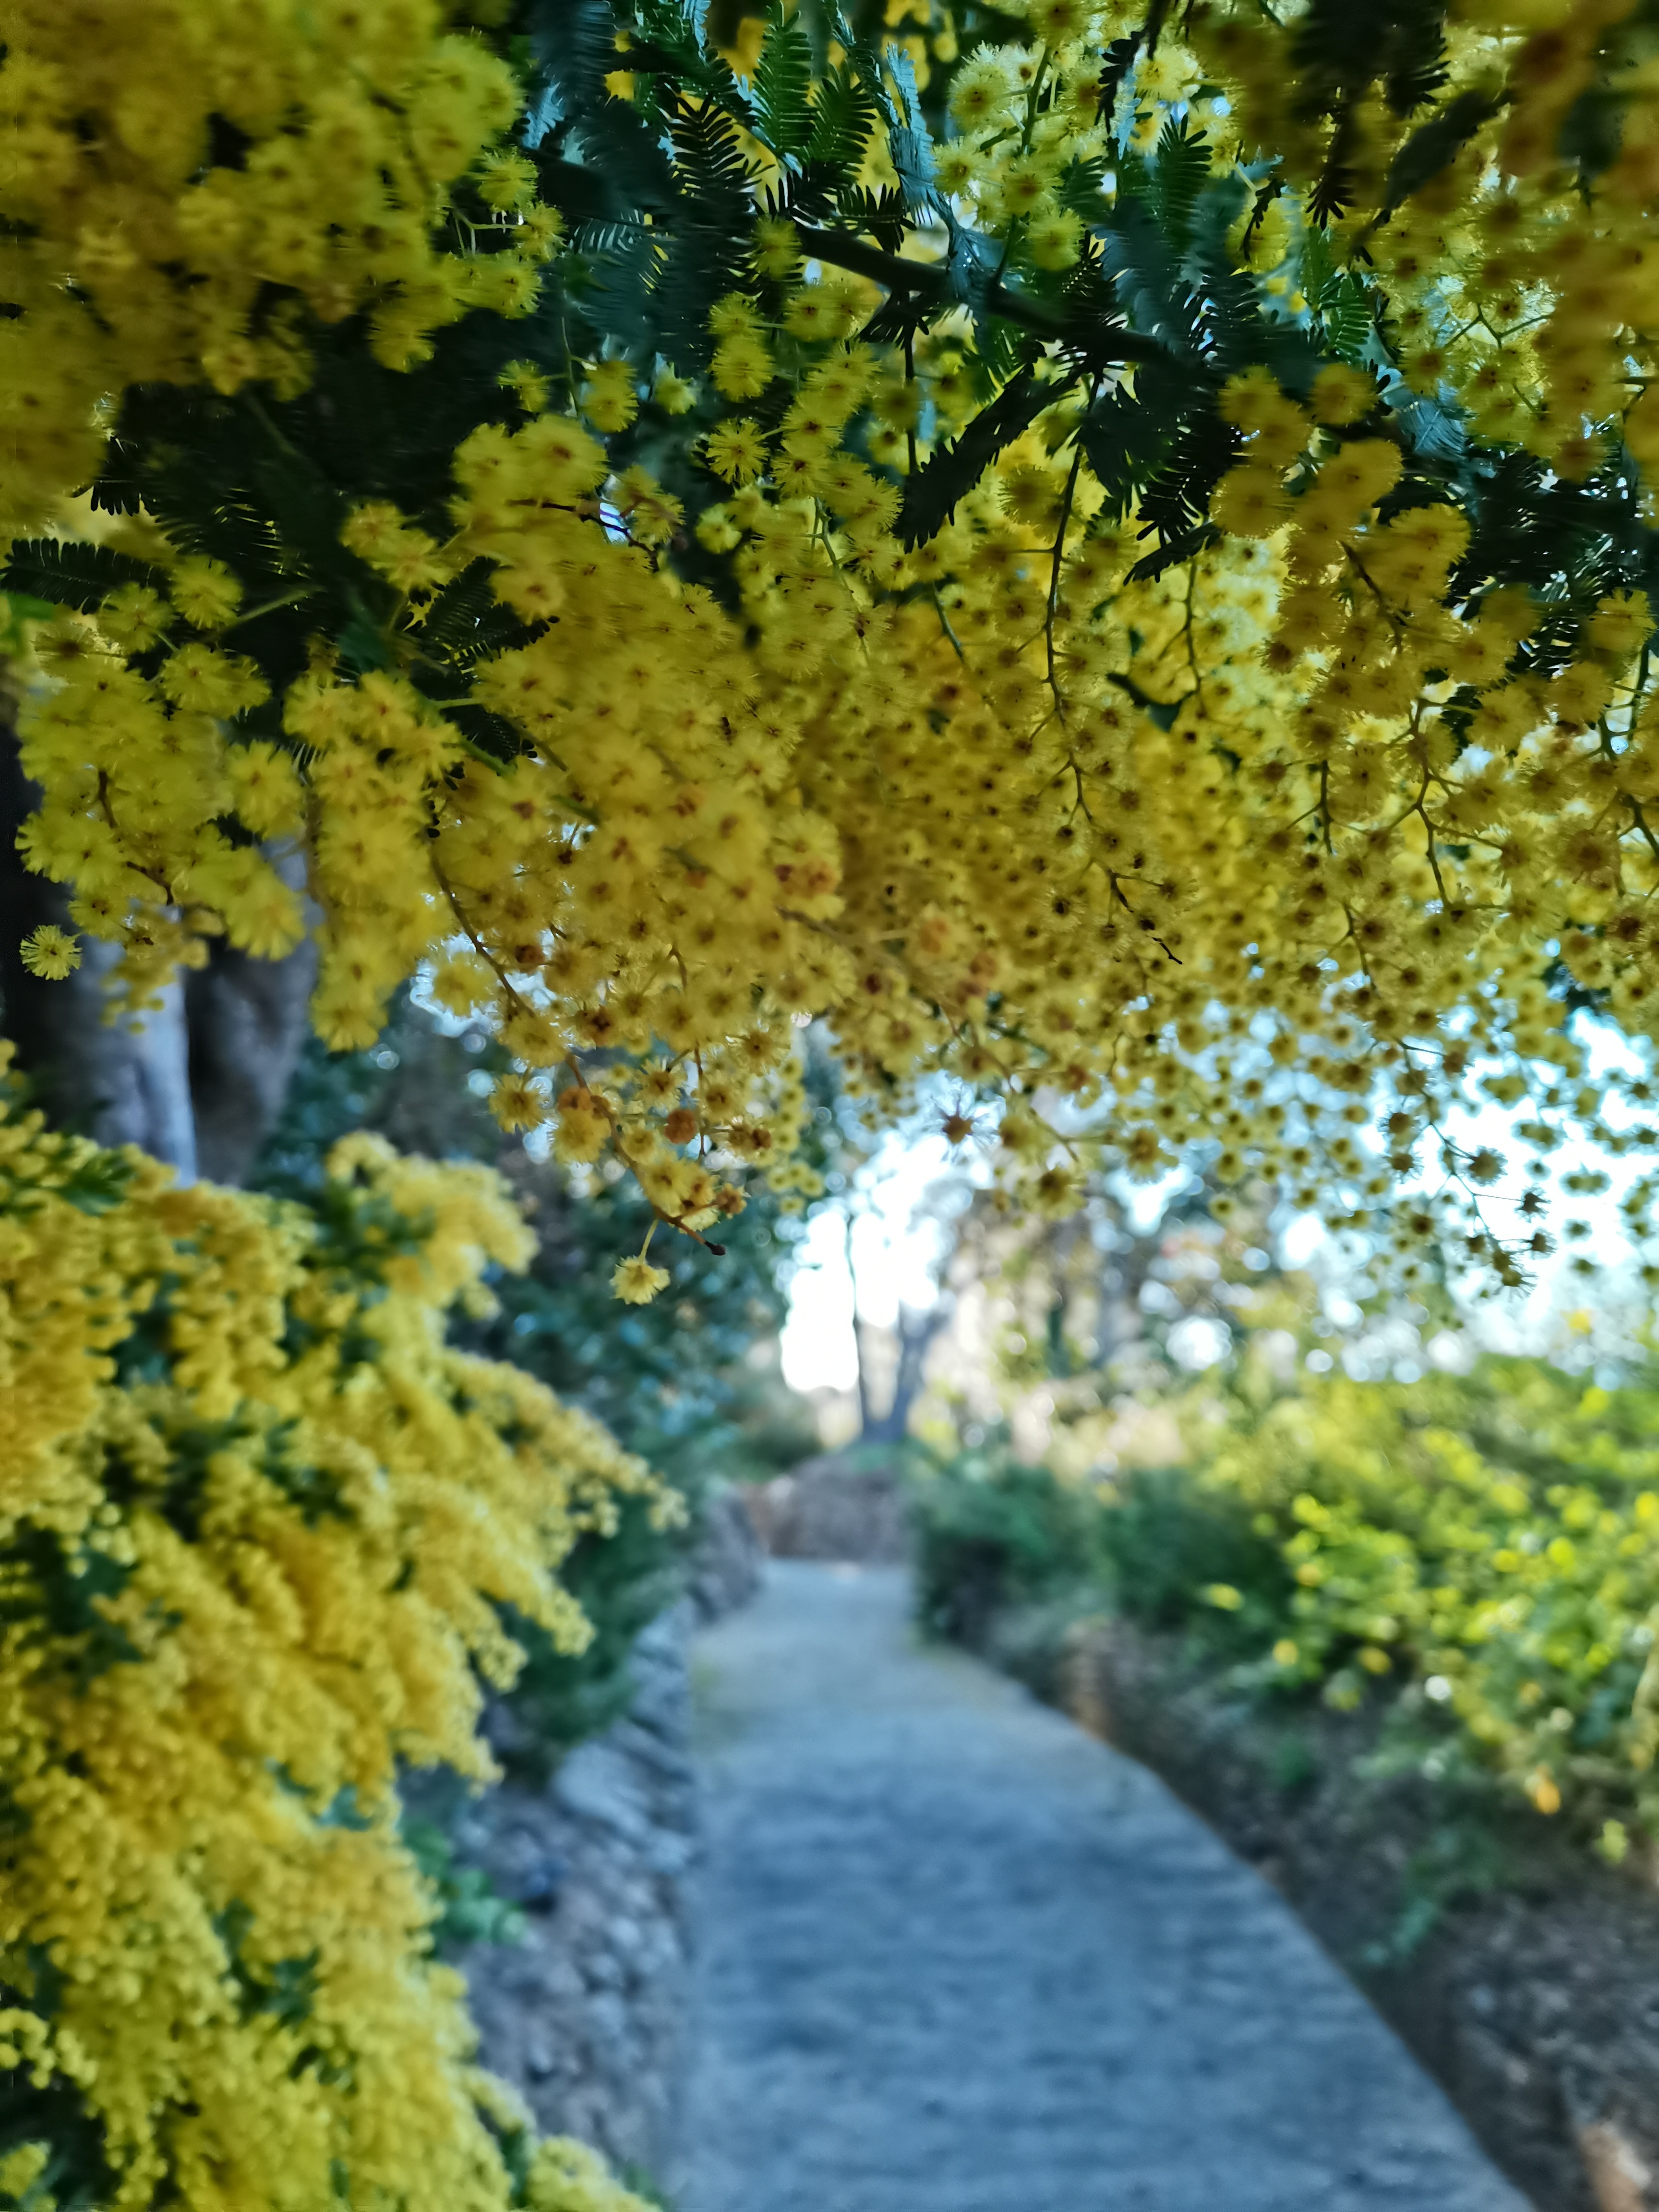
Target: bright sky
point(897, 1244)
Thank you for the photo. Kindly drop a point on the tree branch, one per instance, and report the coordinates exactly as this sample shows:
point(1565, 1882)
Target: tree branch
point(927, 282)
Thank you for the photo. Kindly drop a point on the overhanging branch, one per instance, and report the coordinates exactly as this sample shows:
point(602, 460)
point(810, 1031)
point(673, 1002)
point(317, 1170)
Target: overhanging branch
point(927, 282)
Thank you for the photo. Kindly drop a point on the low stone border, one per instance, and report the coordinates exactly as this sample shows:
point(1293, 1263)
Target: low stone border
point(586, 2016)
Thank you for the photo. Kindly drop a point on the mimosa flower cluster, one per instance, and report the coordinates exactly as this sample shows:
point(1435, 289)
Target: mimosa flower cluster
point(259, 1531)
point(192, 186)
point(1191, 685)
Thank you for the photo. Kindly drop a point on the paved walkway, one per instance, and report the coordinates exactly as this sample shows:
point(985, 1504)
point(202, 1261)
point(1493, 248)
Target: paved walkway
point(956, 1957)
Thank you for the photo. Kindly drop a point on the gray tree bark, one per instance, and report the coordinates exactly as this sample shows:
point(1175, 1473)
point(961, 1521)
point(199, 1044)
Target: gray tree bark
point(246, 1021)
point(196, 1082)
point(916, 1332)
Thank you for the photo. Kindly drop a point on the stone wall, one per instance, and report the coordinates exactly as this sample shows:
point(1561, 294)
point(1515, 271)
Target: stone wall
point(833, 1508)
point(586, 2017)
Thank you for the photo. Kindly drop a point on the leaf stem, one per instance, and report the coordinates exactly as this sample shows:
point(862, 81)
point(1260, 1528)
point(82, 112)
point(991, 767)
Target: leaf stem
point(269, 606)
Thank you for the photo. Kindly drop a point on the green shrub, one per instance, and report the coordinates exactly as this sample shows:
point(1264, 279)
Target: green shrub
point(991, 1532)
point(1178, 1554)
point(1481, 1551)
point(994, 1535)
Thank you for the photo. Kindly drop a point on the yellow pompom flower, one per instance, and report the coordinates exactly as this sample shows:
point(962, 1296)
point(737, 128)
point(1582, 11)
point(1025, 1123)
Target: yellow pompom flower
point(323, 1515)
point(742, 368)
point(636, 1282)
point(610, 396)
point(1251, 501)
point(51, 952)
point(978, 90)
point(527, 383)
point(674, 394)
point(135, 618)
point(736, 450)
point(204, 591)
point(507, 182)
point(270, 795)
point(777, 249)
point(1342, 395)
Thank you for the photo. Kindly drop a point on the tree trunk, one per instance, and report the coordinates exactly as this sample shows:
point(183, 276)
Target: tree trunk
point(247, 1024)
point(198, 1081)
point(862, 1361)
point(125, 1082)
point(916, 1332)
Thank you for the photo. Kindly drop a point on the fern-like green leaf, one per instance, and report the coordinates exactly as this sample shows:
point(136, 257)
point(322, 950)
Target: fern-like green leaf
point(1116, 62)
point(1176, 500)
point(1082, 189)
point(670, 38)
point(1185, 546)
point(66, 573)
point(1344, 308)
point(782, 87)
point(489, 735)
point(1416, 56)
point(1126, 437)
point(931, 496)
point(1179, 171)
point(1341, 50)
point(1430, 147)
point(465, 621)
point(843, 116)
point(97, 1184)
point(710, 174)
point(1137, 255)
point(713, 215)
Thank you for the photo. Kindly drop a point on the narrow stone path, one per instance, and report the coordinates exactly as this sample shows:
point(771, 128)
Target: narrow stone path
point(957, 1957)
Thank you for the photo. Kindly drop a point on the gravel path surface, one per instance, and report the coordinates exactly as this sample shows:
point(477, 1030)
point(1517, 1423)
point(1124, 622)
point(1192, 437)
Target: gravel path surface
point(957, 1957)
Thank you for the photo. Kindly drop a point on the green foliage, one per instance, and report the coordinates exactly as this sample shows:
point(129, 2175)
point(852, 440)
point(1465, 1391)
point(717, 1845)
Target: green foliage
point(622, 1582)
point(77, 2177)
point(704, 258)
point(1433, 146)
point(264, 484)
point(1492, 1539)
point(783, 78)
point(72, 574)
point(843, 118)
point(660, 206)
point(658, 249)
point(1169, 1542)
point(1174, 178)
point(92, 1183)
point(1480, 1551)
point(63, 1587)
point(1127, 435)
point(1342, 51)
point(473, 1911)
point(931, 496)
point(994, 1534)
point(991, 1532)
point(1461, 1860)
point(658, 1375)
